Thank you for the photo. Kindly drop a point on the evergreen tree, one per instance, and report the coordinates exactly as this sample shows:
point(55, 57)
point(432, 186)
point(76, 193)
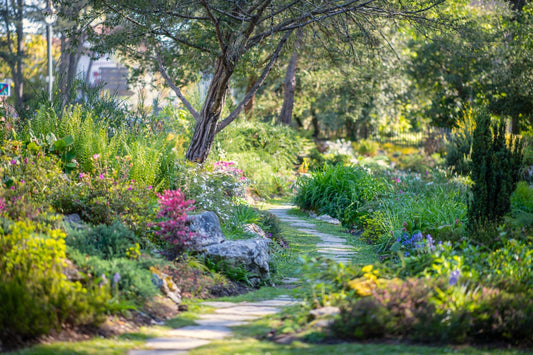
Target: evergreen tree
point(495, 171)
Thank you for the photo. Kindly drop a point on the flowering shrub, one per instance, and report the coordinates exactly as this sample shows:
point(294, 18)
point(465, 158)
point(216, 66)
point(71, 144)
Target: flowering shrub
point(105, 195)
point(173, 210)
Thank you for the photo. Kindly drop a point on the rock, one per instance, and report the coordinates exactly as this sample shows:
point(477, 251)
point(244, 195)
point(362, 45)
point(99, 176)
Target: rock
point(71, 271)
point(324, 312)
point(254, 229)
point(72, 218)
point(328, 219)
point(166, 285)
point(312, 215)
point(251, 253)
point(206, 226)
point(161, 307)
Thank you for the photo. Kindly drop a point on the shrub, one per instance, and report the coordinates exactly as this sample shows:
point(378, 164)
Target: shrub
point(132, 279)
point(106, 195)
point(36, 296)
point(458, 150)
point(104, 241)
point(171, 229)
point(522, 198)
point(366, 147)
point(495, 171)
point(266, 153)
point(429, 310)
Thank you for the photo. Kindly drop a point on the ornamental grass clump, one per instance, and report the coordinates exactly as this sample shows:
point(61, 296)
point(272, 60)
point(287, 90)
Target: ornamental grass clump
point(172, 229)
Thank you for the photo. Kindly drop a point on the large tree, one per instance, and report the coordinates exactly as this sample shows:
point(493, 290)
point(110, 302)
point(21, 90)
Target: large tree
point(222, 32)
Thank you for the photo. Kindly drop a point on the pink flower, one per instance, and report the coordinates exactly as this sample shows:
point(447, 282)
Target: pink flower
point(81, 175)
point(22, 181)
point(397, 180)
point(13, 162)
point(12, 187)
point(150, 187)
point(25, 160)
point(101, 176)
point(96, 156)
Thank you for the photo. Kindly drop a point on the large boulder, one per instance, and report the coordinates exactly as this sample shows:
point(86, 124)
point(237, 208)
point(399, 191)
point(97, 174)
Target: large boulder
point(206, 227)
point(251, 254)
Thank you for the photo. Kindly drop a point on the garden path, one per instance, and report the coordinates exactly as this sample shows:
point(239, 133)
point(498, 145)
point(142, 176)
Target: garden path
point(332, 246)
point(218, 325)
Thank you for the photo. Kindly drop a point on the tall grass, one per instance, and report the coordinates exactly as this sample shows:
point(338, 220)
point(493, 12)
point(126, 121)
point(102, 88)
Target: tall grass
point(339, 191)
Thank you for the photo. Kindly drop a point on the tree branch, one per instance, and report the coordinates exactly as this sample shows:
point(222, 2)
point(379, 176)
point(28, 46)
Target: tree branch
point(175, 88)
point(233, 115)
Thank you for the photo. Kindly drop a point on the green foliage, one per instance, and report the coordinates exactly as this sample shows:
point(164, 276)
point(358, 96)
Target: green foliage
point(427, 310)
point(79, 134)
point(495, 171)
point(36, 295)
point(522, 198)
point(135, 278)
point(338, 191)
point(458, 150)
point(103, 241)
point(105, 195)
point(266, 153)
point(366, 147)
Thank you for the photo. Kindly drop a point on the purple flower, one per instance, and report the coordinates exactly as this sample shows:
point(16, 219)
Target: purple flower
point(406, 253)
point(22, 181)
point(80, 176)
point(129, 188)
point(25, 160)
point(116, 278)
point(13, 162)
point(430, 241)
point(12, 187)
point(454, 277)
point(104, 281)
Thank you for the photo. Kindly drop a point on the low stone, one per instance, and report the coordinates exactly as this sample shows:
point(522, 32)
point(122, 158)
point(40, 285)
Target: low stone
point(328, 219)
point(167, 286)
point(254, 229)
point(251, 254)
point(206, 227)
point(324, 312)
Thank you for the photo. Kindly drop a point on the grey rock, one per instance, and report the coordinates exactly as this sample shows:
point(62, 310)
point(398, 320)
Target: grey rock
point(254, 229)
point(328, 219)
point(72, 218)
point(206, 227)
point(251, 254)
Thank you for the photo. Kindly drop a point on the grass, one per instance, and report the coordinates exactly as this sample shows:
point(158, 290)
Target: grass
point(247, 345)
point(96, 346)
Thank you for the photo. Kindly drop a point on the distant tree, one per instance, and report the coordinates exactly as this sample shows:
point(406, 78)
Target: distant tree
point(12, 13)
point(221, 32)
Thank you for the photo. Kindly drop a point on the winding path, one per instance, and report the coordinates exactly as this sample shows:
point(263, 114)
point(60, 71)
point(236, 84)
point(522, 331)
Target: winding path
point(217, 325)
point(331, 246)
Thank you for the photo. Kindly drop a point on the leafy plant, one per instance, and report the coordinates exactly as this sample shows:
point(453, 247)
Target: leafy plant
point(338, 191)
point(104, 241)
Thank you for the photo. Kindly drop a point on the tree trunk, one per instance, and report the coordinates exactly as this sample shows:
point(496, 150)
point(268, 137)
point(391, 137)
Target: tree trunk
point(249, 107)
point(18, 76)
point(206, 125)
point(285, 116)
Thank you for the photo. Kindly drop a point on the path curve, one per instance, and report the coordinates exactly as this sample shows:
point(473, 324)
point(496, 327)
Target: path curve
point(332, 246)
point(218, 325)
